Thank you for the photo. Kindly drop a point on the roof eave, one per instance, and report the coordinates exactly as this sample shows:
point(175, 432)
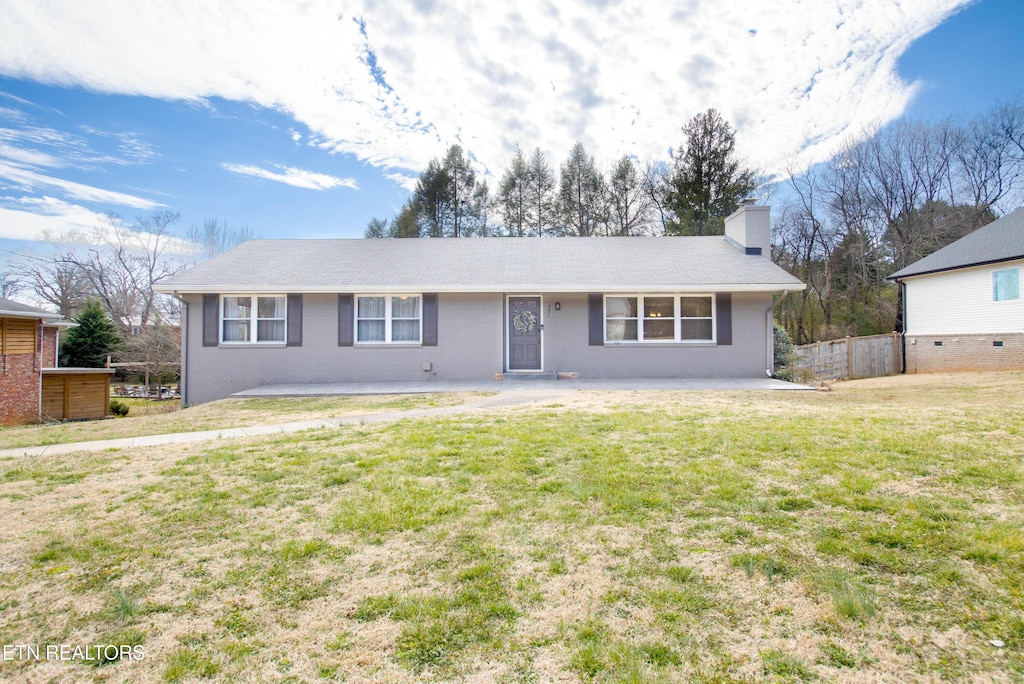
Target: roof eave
point(31, 315)
point(900, 276)
point(494, 289)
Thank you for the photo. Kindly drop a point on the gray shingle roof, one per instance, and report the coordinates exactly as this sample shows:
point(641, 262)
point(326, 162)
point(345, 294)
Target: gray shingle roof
point(484, 265)
point(13, 309)
point(1001, 240)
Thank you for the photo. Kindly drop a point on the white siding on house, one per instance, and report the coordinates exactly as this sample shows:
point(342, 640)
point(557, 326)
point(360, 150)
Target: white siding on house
point(960, 303)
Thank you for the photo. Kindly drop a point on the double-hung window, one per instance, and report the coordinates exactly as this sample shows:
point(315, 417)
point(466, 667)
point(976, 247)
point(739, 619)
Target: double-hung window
point(659, 318)
point(1006, 285)
point(389, 319)
point(253, 318)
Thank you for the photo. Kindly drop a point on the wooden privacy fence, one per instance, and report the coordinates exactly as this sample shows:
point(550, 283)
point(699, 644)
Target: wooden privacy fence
point(851, 357)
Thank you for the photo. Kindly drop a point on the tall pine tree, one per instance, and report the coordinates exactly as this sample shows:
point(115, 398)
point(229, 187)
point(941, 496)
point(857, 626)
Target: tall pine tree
point(88, 344)
point(708, 182)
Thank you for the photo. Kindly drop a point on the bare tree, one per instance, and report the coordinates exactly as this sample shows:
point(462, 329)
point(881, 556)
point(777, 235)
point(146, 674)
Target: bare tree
point(629, 202)
point(154, 351)
point(10, 283)
point(123, 263)
point(216, 237)
point(52, 279)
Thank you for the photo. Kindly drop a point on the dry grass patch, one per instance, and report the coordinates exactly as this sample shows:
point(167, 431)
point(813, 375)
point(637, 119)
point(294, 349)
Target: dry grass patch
point(154, 418)
point(613, 537)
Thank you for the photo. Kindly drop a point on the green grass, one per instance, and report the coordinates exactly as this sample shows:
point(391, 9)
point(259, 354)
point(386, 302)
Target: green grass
point(876, 531)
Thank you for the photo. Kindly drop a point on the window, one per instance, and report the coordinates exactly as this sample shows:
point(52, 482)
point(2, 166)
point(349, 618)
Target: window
point(388, 319)
point(695, 321)
point(659, 318)
point(1006, 285)
point(240, 319)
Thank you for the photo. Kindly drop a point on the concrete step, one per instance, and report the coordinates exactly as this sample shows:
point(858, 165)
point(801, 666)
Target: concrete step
point(527, 377)
point(534, 377)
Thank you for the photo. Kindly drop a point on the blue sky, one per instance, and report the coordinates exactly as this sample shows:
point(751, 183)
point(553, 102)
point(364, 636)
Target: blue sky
point(308, 122)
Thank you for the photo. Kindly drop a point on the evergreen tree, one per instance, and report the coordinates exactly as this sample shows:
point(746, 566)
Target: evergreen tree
point(707, 182)
point(406, 225)
point(540, 188)
point(445, 196)
point(88, 344)
point(514, 195)
point(378, 228)
point(581, 195)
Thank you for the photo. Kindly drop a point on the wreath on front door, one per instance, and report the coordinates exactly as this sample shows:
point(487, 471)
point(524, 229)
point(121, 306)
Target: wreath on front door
point(524, 321)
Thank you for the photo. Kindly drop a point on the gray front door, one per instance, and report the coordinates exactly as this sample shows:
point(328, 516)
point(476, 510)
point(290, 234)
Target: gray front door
point(524, 333)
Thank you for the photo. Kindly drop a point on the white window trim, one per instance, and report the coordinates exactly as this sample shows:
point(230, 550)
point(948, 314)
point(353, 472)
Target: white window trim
point(1004, 270)
point(253, 320)
point(677, 318)
point(387, 321)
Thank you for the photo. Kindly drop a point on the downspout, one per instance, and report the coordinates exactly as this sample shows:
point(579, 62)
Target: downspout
point(40, 331)
point(903, 332)
point(769, 321)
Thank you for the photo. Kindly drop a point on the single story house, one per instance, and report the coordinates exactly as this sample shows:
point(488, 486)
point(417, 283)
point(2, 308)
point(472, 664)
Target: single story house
point(962, 305)
point(334, 311)
point(32, 387)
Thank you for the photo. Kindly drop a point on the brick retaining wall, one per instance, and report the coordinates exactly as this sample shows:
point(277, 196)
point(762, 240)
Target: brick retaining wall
point(945, 353)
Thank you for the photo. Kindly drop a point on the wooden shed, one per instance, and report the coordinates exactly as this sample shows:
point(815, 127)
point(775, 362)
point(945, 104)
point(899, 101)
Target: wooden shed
point(76, 393)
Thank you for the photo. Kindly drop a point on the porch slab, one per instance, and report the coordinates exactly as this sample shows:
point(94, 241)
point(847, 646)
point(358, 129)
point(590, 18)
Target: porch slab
point(514, 383)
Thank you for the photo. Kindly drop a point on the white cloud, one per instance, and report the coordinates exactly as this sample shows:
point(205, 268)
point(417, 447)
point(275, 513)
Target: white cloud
point(394, 83)
point(26, 179)
point(298, 178)
point(403, 180)
point(28, 218)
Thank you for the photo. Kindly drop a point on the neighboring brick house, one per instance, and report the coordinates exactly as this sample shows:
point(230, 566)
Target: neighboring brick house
point(31, 386)
point(962, 304)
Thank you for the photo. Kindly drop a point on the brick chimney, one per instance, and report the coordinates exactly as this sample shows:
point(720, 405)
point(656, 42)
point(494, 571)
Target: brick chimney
point(749, 228)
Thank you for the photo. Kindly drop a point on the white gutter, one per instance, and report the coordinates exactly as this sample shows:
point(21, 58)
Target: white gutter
point(493, 289)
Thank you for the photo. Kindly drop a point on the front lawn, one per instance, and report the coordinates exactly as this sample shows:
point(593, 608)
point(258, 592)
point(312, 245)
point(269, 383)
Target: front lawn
point(161, 417)
point(871, 533)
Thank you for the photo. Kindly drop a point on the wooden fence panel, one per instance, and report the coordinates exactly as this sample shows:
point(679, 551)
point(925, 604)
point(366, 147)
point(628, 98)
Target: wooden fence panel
point(852, 357)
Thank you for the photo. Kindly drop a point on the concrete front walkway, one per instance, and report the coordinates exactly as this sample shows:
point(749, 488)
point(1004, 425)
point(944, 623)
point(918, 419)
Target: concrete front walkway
point(508, 392)
point(483, 404)
point(524, 382)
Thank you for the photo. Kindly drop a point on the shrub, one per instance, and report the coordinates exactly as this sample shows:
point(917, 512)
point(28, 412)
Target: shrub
point(118, 408)
point(785, 354)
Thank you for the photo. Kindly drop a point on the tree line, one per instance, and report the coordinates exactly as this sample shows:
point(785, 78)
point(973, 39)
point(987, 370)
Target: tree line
point(105, 281)
point(692, 195)
point(883, 201)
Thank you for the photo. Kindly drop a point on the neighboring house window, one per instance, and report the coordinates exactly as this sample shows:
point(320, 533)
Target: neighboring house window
point(389, 318)
point(240, 318)
point(1006, 285)
point(659, 318)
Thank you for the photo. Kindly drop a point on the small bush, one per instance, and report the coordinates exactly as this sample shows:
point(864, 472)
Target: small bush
point(118, 409)
point(785, 354)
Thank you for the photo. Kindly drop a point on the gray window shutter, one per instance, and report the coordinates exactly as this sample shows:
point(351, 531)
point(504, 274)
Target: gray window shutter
point(211, 320)
point(723, 312)
point(430, 320)
point(294, 320)
point(595, 303)
point(345, 320)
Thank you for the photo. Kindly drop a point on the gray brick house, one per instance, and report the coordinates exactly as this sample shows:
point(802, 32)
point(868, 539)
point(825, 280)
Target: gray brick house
point(331, 311)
